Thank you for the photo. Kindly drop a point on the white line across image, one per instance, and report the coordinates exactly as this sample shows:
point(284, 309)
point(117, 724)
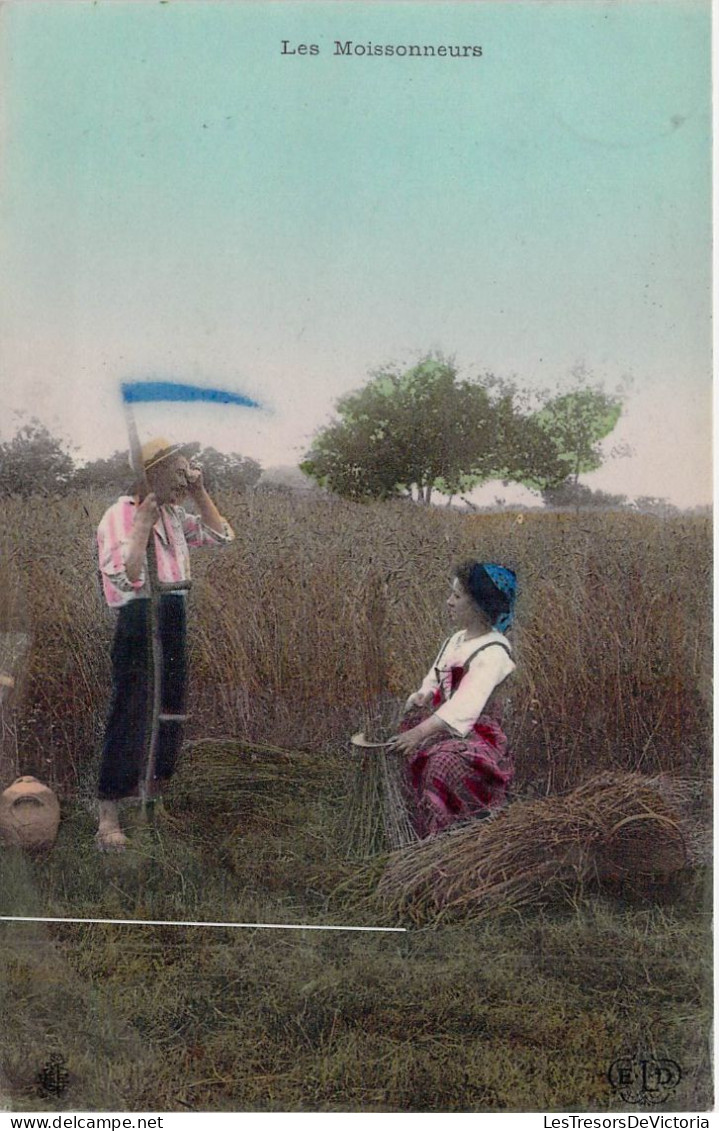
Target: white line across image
point(199, 923)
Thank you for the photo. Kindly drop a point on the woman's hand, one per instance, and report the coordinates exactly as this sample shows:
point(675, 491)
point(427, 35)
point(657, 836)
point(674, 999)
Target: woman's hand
point(419, 699)
point(408, 741)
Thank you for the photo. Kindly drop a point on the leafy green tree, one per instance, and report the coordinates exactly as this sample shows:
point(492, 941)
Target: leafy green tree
point(426, 429)
point(35, 462)
point(528, 451)
point(576, 422)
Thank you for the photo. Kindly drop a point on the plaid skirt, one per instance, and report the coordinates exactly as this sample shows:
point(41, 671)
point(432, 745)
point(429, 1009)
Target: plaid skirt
point(453, 779)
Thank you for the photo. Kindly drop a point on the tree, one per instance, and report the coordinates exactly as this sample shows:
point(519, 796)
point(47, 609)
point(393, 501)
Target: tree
point(577, 422)
point(650, 504)
point(113, 473)
point(233, 472)
point(35, 462)
point(426, 429)
point(571, 494)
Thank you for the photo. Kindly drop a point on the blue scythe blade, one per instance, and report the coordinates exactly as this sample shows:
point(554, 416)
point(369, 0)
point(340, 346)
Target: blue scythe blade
point(143, 392)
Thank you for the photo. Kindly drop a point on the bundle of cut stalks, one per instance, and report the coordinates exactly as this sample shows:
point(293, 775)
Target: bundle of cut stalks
point(616, 826)
point(220, 774)
point(377, 818)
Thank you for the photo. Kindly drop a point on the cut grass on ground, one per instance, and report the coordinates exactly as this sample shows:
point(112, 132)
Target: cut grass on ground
point(523, 1012)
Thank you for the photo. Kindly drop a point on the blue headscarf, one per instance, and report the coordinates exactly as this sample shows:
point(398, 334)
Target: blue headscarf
point(502, 579)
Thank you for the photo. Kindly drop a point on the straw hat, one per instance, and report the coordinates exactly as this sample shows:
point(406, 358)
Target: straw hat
point(154, 451)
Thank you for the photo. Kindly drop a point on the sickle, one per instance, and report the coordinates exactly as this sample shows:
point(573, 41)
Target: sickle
point(360, 740)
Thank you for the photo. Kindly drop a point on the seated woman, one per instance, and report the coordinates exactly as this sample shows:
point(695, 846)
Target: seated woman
point(458, 762)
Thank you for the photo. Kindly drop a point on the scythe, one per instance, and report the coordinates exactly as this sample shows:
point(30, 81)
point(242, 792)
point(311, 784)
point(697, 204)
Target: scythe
point(135, 392)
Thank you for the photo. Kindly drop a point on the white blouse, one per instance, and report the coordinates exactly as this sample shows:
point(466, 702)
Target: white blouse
point(486, 671)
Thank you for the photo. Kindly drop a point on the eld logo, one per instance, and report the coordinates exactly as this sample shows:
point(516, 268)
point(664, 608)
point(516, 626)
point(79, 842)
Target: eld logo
point(644, 1081)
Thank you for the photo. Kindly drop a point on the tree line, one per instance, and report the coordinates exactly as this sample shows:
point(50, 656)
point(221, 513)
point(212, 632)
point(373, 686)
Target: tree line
point(418, 433)
point(34, 462)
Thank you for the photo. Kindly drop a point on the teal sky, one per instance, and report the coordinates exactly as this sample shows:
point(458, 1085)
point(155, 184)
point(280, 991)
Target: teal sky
point(181, 199)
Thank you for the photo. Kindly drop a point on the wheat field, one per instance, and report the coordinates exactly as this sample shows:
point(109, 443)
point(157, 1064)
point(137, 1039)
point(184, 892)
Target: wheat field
point(321, 607)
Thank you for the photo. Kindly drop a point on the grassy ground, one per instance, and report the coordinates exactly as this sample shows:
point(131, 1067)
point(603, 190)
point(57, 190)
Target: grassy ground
point(523, 1012)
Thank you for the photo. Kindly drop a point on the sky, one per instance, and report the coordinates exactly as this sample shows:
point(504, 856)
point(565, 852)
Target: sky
point(182, 199)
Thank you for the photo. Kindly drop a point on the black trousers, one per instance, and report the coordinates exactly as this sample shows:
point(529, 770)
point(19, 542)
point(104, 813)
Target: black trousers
point(127, 732)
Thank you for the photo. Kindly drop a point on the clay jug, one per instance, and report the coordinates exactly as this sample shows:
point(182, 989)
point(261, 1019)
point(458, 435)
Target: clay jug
point(29, 814)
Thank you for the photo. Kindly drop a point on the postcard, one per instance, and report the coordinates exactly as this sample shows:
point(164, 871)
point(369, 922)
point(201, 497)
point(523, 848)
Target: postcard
point(355, 616)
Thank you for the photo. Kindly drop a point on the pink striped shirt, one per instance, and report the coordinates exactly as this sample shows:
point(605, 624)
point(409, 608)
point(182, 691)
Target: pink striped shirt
point(174, 532)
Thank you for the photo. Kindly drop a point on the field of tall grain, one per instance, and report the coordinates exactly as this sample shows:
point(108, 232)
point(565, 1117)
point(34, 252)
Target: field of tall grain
point(321, 606)
point(318, 614)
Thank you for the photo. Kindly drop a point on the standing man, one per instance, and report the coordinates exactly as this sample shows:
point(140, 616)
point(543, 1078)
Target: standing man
point(123, 536)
